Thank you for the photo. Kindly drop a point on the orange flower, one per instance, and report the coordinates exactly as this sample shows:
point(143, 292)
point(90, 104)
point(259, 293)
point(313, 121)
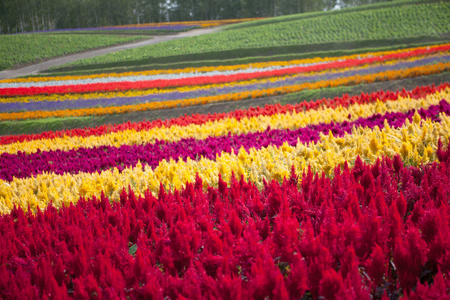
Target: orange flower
point(352, 80)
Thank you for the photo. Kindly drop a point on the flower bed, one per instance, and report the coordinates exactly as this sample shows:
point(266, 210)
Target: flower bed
point(333, 198)
point(370, 231)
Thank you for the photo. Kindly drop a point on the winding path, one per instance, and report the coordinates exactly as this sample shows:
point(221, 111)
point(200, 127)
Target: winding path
point(36, 68)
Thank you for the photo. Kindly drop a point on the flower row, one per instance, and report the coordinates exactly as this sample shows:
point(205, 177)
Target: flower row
point(416, 142)
point(252, 66)
point(202, 80)
point(230, 75)
point(351, 80)
point(135, 78)
point(368, 232)
point(148, 94)
point(213, 90)
point(239, 122)
point(24, 142)
point(97, 159)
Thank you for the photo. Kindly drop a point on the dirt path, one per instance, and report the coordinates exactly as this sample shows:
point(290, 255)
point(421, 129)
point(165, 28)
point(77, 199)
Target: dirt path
point(36, 68)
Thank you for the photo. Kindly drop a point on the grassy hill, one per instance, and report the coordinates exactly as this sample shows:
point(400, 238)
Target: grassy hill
point(305, 35)
point(303, 16)
point(22, 49)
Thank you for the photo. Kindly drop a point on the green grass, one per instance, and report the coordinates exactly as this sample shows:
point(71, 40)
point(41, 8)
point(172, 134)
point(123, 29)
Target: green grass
point(382, 24)
point(21, 49)
point(316, 14)
point(247, 56)
point(41, 125)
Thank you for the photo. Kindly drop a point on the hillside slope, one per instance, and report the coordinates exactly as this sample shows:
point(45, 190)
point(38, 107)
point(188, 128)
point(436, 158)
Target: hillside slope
point(387, 26)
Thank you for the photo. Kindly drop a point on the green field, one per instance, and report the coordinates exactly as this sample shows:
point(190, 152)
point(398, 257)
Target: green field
point(376, 27)
point(296, 17)
point(22, 49)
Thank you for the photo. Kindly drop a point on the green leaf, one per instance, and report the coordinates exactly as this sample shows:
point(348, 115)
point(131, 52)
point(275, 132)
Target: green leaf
point(132, 249)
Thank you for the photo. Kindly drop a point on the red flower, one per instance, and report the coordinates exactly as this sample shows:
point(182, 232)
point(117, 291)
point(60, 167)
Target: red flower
point(331, 285)
point(376, 265)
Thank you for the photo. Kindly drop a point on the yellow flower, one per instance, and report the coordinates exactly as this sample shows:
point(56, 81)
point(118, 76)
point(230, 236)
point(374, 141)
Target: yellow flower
point(223, 127)
point(86, 190)
point(269, 163)
point(374, 145)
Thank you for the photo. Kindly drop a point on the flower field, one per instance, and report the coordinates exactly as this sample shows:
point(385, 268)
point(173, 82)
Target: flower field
point(327, 198)
point(71, 96)
point(333, 198)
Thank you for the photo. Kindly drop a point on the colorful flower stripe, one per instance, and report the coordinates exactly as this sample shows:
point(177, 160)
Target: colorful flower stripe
point(352, 80)
point(193, 75)
point(103, 158)
point(202, 127)
point(210, 91)
point(135, 96)
point(197, 119)
point(199, 70)
point(223, 89)
point(202, 80)
point(145, 77)
point(343, 237)
point(416, 142)
point(258, 65)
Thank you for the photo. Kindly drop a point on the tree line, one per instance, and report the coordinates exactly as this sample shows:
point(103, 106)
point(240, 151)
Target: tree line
point(36, 15)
